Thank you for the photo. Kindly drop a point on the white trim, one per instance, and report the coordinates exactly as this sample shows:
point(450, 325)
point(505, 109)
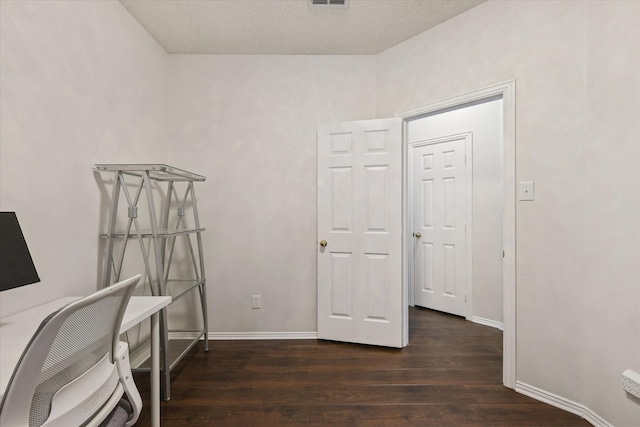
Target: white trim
point(562, 403)
point(488, 322)
point(140, 354)
point(468, 152)
point(218, 336)
point(407, 264)
point(263, 335)
point(407, 220)
point(468, 146)
point(507, 91)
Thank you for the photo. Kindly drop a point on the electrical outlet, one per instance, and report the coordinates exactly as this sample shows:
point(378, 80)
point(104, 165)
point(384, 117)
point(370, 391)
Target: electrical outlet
point(256, 301)
point(525, 190)
point(631, 382)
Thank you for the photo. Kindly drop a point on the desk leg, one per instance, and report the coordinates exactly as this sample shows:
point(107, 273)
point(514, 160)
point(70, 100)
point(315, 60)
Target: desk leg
point(155, 370)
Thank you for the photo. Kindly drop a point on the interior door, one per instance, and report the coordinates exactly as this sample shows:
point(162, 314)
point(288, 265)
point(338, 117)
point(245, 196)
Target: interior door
point(360, 294)
point(439, 175)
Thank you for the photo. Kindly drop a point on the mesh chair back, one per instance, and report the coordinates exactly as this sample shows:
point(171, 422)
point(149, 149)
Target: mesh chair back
point(74, 339)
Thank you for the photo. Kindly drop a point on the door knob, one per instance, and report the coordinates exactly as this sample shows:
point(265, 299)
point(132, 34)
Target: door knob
point(323, 243)
point(418, 234)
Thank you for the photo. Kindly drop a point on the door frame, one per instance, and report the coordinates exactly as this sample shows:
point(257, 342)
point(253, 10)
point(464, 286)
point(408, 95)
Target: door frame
point(507, 91)
point(468, 214)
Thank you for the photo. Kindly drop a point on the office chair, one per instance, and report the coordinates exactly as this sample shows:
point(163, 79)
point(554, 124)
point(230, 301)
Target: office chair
point(75, 370)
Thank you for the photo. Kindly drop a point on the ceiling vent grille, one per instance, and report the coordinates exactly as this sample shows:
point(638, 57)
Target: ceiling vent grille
point(329, 3)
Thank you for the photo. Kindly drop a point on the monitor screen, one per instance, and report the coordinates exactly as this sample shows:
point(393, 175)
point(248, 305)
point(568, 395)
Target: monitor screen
point(16, 265)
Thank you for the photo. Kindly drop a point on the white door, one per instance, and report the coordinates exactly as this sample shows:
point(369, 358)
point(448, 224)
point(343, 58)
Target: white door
point(360, 293)
point(439, 175)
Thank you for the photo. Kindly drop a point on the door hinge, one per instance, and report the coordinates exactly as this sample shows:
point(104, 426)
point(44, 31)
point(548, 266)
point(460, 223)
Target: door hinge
point(465, 297)
point(502, 254)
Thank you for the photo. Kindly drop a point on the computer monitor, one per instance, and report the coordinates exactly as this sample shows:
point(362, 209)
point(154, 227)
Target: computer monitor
point(16, 265)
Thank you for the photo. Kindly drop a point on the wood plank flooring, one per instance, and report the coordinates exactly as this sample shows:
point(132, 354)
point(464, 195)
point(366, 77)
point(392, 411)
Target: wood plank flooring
point(449, 375)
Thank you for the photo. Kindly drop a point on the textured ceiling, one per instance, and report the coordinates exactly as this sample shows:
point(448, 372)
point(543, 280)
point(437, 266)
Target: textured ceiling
point(288, 26)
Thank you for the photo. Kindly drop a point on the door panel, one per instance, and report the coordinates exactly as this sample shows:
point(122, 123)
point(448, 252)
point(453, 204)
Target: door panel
point(439, 174)
point(360, 217)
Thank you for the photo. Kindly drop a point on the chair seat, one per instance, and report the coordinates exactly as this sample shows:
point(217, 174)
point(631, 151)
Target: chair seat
point(119, 416)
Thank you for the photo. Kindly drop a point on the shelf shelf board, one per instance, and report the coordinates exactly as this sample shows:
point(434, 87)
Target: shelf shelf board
point(157, 171)
point(148, 233)
point(177, 288)
point(178, 348)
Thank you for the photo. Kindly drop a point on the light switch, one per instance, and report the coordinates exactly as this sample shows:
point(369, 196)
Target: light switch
point(525, 191)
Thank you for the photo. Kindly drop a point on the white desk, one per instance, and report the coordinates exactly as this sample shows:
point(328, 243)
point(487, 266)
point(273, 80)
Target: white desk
point(17, 330)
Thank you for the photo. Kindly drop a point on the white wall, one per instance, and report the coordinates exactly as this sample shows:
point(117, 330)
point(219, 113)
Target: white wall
point(577, 71)
point(612, 207)
point(485, 122)
point(249, 124)
point(81, 82)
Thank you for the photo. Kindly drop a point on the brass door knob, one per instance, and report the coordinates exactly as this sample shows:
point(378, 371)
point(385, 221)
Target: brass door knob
point(418, 234)
point(323, 243)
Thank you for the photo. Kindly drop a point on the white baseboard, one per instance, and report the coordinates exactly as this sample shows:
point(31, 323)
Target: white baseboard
point(219, 336)
point(143, 351)
point(487, 322)
point(562, 403)
point(263, 335)
point(140, 354)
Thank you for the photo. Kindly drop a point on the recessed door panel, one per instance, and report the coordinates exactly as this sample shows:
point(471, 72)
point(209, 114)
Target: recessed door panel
point(341, 285)
point(427, 203)
point(449, 202)
point(341, 143)
point(426, 267)
point(448, 159)
point(377, 287)
point(449, 269)
point(427, 162)
point(341, 199)
point(376, 194)
point(376, 141)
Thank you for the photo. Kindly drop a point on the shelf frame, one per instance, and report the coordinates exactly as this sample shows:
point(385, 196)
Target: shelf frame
point(157, 242)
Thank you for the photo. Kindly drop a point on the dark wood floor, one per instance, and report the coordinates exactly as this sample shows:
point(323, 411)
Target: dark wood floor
point(449, 375)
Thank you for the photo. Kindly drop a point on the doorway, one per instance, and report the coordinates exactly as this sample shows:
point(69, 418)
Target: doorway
point(506, 93)
point(462, 251)
point(370, 158)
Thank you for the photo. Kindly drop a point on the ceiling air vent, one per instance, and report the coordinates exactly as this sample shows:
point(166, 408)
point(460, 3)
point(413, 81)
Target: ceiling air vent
point(329, 3)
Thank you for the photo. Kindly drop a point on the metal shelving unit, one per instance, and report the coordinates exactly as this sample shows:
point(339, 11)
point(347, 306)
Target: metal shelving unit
point(134, 184)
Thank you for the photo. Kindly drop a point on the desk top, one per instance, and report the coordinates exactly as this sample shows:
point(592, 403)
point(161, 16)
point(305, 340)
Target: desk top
point(16, 330)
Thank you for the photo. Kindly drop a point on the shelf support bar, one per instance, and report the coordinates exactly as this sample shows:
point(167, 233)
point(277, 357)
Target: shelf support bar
point(161, 285)
point(109, 264)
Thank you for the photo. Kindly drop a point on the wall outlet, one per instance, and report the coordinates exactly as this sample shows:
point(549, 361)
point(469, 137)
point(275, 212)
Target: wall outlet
point(526, 190)
point(256, 301)
point(631, 382)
